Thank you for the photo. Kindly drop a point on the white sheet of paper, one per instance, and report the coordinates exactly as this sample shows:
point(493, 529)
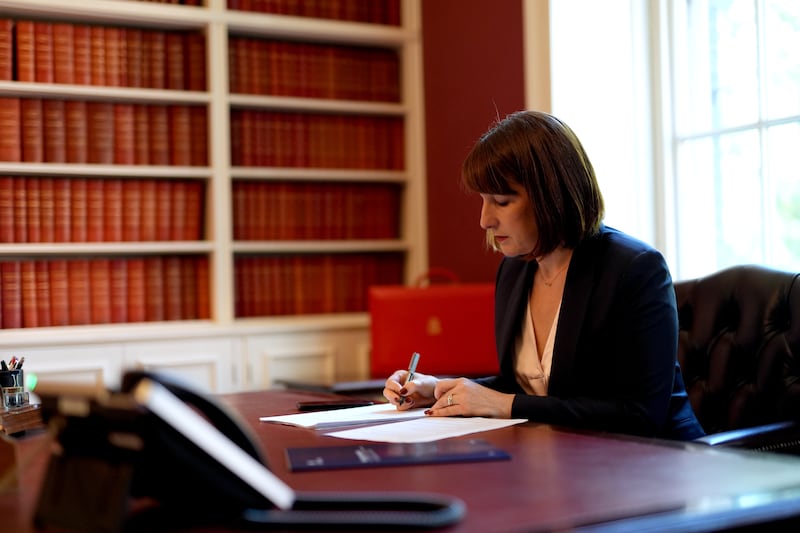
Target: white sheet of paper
point(427, 429)
point(369, 414)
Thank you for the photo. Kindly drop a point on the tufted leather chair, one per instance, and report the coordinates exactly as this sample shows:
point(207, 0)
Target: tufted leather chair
point(739, 350)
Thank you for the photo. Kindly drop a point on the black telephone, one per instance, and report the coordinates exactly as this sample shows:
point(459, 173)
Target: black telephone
point(132, 460)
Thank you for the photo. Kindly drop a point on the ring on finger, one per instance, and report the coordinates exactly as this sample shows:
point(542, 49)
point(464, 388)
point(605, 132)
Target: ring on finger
point(450, 399)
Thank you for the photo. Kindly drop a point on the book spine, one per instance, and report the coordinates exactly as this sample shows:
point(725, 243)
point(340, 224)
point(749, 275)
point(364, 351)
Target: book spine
point(24, 35)
point(82, 54)
point(79, 230)
point(62, 209)
point(33, 198)
point(174, 61)
point(55, 142)
point(119, 290)
point(124, 134)
point(163, 210)
point(158, 128)
point(43, 298)
point(100, 130)
point(188, 297)
point(10, 123)
point(76, 136)
point(97, 50)
point(11, 294)
point(80, 300)
point(131, 210)
point(149, 206)
point(112, 210)
point(47, 209)
point(195, 65)
point(43, 52)
point(198, 117)
point(180, 135)
point(95, 212)
point(112, 40)
point(6, 49)
point(6, 209)
point(173, 289)
point(136, 290)
point(63, 58)
point(30, 315)
point(100, 283)
point(59, 292)
point(154, 289)
point(32, 136)
point(20, 210)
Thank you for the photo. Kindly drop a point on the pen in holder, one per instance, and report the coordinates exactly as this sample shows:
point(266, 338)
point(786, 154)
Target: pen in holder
point(12, 383)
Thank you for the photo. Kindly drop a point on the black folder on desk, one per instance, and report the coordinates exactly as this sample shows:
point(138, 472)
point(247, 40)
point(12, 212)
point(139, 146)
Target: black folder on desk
point(392, 454)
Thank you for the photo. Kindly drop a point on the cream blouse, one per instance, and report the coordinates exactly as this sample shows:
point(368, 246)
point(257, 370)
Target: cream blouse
point(532, 371)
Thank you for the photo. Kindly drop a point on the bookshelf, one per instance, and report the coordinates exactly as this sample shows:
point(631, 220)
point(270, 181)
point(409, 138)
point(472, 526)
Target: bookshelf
point(226, 180)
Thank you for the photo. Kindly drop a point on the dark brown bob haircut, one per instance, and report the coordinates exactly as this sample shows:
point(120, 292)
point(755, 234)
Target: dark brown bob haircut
point(538, 152)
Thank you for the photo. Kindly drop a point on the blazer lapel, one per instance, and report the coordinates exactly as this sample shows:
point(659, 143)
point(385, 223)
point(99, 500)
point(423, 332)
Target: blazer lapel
point(574, 305)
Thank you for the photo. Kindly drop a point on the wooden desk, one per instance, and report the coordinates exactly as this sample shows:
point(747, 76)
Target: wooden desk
point(556, 479)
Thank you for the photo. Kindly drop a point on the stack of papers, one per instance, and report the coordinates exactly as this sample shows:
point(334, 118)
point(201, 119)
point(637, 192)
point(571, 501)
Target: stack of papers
point(384, 423)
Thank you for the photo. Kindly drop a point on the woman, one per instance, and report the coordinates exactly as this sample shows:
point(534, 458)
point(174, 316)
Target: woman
point(586, 324)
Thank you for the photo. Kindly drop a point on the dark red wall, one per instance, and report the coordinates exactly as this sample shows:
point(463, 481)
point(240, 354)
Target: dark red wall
point(473, 67)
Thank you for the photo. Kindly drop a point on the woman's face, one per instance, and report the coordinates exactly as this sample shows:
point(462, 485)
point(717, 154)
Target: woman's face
point(509, 217)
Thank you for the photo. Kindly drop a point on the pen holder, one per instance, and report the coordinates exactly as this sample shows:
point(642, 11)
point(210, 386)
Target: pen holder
point(12, 384)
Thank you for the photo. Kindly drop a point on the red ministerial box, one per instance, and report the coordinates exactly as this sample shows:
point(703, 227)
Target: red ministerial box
point(451, 326)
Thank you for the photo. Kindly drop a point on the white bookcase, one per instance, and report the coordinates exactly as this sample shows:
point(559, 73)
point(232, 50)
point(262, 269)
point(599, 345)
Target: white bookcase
point(223, 353)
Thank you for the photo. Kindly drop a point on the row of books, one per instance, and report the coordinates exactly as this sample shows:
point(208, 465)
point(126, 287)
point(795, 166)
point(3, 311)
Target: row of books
point(316, 140)
point(79, 291)
point(371, 11)
point(81, 54)
point(311, 284)
point(285, 210)
point(38, 130)
point(283, 68)
point(44, 209)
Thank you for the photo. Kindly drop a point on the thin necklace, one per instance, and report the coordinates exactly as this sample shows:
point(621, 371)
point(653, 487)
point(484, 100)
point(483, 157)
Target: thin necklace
point(556, 275)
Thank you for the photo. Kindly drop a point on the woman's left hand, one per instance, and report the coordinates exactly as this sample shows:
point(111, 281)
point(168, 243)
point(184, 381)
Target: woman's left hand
point(464, 397)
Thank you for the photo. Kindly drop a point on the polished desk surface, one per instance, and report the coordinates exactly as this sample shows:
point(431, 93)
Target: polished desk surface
point(556, 480)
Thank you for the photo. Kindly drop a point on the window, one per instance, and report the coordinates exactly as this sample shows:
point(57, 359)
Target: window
point(735, 86)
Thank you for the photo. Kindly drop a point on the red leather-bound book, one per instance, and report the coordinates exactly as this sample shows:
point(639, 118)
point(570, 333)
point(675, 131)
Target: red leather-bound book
point(178, 210)
point(195, 65)
point(44, 318)
point(30, 316)
point(131, 210)
point(20, 210)
point(198, 116)
point(95, 210)
point(180, 135)
point(97, 40)
point(100, 129)
point(80, 296)
point(100, 283)
point(163, 209)
point(149, 206)
point(112, 38)
point(47, 209)
point(6, 209)
point(159, 134)
point(174, 60)
point(119, 290)
point(82, 54)
point(32, 136)
point(33, 200)
point(55, 141)
point(10, 122)
point(124, 134)
point(62, 210)
point(203, 288)
point(43, 51)
point(134, 57)
point(112, 209)
point(136, 290)
point(63, 58)
point(59, 292)
point(25, 38)
point(154, 58)
point(11, 294)
point(6, 49)
point(77, 135)
point(188, 265)
point(79, 208)
point(155, 305)
point(141, 131)
point(173, 289)
point(193, 227)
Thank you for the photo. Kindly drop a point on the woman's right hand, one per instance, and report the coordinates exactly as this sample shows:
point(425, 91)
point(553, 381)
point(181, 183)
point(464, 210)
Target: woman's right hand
point(416, 393)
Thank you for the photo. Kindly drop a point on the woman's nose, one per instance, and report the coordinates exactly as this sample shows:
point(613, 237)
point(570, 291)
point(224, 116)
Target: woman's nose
point(488, 220)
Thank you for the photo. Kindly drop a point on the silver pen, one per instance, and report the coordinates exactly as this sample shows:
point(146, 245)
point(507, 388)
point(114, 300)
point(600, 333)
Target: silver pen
point(412, 367)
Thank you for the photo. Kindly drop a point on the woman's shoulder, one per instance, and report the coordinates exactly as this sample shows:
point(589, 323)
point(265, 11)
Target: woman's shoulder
point(618, 243)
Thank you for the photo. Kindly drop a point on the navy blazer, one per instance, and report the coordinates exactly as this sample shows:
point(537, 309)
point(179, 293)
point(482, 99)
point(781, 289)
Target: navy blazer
point(614, 365)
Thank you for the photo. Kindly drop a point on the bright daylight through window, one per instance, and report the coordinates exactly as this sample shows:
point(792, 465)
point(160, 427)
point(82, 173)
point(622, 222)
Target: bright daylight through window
point(736, 104)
